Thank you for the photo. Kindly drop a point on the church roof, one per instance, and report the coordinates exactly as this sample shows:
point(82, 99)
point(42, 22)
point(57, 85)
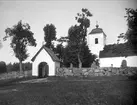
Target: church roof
point(50, 52)
point(97, 30)
point(117, 50)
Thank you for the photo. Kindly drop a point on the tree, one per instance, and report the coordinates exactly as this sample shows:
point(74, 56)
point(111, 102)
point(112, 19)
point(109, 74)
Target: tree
point(3, 67)
point(62, 40)
point(84, 23)
point(59, 50)
point(49, 35)
point(131, 35)
point(21, 37)
point(72, 56)
point(77, 49)
point(74, 45)
point(121, 36)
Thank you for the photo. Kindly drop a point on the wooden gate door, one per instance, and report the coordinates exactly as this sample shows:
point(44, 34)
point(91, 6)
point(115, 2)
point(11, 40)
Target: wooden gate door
point(46, 67)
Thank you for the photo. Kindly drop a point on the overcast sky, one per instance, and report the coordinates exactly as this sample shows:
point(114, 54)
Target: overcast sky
point(109, 14)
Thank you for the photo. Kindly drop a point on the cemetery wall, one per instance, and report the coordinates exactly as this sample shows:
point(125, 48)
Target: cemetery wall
point(98, 71)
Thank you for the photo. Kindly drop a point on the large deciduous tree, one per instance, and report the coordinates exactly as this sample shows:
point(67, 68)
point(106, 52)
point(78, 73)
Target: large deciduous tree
point(77, 51)
point(81, 30)
point(84, 22)
point(49, 35)
point(131, 35)
point(21, 37)
point(59, 50)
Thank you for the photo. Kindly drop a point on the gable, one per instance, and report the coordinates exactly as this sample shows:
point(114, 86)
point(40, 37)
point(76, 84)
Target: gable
point(43, 56)
point(51, 54)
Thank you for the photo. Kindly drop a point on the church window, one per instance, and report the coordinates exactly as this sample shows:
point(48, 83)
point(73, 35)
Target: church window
point(96, 40)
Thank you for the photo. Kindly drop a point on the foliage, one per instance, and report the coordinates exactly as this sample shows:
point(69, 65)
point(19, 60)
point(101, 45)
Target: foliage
point(131, 17)
point(87, 58)
point(15, 66)
point(49, 35)
point(84, 22)
point(3, 67)
point(131, 35)
point(77, 52)
point(72, 50)
point(115, 50)
point(121, 36)
point(81, 31)
point(59, 49)
point(62, 40)
point(27, 66)
point(122, 49)
point(21, 37)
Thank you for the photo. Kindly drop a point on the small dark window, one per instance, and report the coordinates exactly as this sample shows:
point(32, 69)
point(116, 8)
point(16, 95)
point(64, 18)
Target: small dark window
point(96, 40)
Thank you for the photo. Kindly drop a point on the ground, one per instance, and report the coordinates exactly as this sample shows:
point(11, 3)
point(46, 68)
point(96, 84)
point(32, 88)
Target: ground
point(69, 91)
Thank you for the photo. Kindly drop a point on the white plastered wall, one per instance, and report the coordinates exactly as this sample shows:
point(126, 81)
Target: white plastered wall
point(43, 56)
point(96, 48)
point(116, 61)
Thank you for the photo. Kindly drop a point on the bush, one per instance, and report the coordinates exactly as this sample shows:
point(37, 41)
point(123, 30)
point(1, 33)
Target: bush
point(3, 67)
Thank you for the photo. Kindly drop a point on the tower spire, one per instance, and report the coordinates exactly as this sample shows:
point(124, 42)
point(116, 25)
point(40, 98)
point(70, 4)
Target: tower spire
point(97, 24)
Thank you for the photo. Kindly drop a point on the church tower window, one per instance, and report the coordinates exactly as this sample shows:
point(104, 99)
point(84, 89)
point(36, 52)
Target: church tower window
point(96, 40)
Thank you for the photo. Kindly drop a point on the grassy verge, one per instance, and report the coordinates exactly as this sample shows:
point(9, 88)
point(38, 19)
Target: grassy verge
point(70, 92)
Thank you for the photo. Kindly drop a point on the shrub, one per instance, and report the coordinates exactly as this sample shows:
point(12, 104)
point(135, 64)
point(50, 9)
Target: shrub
point(3, 67)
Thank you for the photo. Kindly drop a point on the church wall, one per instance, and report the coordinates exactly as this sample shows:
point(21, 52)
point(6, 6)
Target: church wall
point(43, 56)
point(132, 61)
point(116, 61)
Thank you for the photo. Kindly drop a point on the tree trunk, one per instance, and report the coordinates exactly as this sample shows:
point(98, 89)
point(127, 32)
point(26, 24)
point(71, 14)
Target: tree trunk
point(21, 70)
point(79, 61)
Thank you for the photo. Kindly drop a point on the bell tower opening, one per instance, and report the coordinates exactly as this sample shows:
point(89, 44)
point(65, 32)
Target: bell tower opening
point(96, 40)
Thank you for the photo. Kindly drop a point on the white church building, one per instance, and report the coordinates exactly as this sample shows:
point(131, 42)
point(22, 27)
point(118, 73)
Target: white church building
point(45, 63)
point(110, 55)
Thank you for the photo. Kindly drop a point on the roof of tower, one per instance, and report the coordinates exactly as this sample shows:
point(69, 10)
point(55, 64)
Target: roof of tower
point(97, 30)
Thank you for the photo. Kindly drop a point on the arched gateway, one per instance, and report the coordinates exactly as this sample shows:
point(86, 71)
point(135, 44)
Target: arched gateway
point(45, 63)
point(43, 70)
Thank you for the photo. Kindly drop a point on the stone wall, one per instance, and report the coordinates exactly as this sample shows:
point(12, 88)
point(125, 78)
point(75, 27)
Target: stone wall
point(107, 71)
point(14, 74)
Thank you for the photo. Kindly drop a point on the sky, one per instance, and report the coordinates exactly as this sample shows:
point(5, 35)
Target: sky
point(109, 14)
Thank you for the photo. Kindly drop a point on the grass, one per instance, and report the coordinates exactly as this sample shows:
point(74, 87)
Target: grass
point(69, 91)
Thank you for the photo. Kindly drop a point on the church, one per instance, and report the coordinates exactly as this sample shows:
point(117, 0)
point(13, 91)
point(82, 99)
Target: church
point(110, 55)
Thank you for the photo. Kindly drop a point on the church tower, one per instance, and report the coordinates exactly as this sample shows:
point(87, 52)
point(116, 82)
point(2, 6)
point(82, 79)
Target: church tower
point(96, 40)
